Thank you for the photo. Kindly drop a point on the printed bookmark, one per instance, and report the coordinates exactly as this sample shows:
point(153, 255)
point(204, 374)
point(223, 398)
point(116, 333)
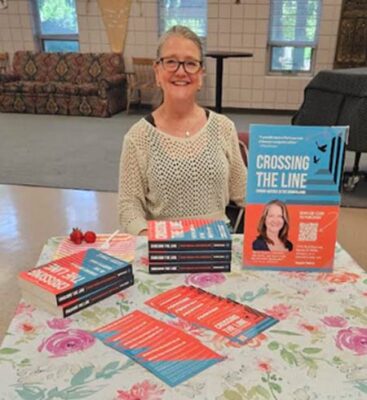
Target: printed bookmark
point(169, 353)
point(236, 321)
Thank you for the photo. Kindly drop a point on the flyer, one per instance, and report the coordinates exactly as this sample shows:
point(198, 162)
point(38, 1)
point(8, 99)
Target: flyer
point(293, 197)
point(169, 353)
point(235, 321)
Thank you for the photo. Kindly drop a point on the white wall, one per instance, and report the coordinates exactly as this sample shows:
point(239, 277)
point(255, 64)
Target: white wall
point(237, 27)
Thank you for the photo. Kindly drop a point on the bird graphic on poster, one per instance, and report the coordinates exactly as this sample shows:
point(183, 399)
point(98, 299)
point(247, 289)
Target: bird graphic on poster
point(315, 159)
point(322, 147)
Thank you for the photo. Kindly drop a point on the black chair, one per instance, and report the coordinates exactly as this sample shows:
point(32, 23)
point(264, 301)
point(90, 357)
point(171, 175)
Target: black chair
point(236, 214)
point(339, 97)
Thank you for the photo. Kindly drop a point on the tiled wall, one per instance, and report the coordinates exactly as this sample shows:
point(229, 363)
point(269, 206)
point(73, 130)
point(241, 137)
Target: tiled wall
point(16, 27)
point(237, 27)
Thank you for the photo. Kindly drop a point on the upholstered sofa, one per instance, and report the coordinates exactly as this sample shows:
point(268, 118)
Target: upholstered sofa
point(90, 84)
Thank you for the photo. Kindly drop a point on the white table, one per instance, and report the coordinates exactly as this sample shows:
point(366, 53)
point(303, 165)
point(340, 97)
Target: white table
point(317, 350)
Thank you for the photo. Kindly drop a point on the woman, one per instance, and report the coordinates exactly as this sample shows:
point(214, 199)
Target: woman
point(273, 228)
point(181, 161)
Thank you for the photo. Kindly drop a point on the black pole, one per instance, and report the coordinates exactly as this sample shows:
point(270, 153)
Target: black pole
point(218, 94)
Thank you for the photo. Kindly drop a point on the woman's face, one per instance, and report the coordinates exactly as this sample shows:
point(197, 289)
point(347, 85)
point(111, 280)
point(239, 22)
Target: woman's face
point(179, 85)
point(274, 220)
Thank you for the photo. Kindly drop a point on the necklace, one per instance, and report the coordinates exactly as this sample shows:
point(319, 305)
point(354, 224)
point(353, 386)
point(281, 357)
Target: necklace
point(165, 123)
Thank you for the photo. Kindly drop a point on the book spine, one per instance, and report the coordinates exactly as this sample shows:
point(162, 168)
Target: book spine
point(90, 286)
point(96, 297)
point(188, 268)
point(186, 256)
point(190, 245)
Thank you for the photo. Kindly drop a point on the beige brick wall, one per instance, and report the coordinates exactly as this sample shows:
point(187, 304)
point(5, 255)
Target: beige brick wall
point(16, 25)
point(237, 27)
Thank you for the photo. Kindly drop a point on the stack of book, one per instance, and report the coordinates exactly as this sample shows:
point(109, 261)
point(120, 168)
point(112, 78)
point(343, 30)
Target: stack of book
point(189, 246)
point(72, 283)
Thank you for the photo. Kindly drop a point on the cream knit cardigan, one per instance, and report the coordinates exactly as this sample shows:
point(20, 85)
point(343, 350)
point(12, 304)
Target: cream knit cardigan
point(166, 177)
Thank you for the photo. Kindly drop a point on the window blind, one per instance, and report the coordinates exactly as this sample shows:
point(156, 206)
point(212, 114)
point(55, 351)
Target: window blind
point(294, 22)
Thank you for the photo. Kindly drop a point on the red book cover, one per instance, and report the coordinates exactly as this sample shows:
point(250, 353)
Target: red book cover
point(66, 278)
point(188, 234)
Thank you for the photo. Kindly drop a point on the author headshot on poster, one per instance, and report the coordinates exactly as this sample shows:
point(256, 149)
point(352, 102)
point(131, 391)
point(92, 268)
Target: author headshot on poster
point(273, 228)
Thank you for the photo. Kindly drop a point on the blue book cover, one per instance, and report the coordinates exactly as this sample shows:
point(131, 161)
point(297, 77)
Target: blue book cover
point(293, 196)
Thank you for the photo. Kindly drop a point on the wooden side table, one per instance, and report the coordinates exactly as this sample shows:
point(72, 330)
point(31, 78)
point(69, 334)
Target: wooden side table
point(219, 56)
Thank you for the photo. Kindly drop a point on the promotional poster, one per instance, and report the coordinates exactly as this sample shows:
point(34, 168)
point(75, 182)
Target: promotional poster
point(293, 197)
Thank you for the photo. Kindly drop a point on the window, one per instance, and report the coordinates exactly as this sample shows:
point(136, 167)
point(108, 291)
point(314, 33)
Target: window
point(57, 25)
point(191, 13)
point(293, 34)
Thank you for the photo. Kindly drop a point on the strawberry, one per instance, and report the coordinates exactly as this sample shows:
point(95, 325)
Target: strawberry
point(90, 237)
point(76, 236)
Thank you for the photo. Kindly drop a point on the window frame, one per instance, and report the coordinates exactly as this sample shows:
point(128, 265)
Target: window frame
point(295, 44)
point(40, 38)
point(161, 28)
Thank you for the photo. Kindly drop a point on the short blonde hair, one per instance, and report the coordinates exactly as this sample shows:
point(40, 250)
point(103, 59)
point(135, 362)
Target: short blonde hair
point(182, 31)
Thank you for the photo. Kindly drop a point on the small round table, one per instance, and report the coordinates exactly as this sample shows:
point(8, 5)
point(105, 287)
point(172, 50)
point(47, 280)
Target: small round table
point(219, 55)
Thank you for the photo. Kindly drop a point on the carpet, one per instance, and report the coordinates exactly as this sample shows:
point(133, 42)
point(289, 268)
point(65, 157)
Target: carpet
point(84, 152)
point(62, 151)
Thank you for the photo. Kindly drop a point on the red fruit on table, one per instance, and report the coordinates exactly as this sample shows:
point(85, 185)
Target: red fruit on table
point(76, 236)
point(90, 237)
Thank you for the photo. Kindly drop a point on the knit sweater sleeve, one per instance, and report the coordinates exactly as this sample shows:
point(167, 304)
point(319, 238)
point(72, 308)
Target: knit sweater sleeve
point(238, 170)
point(132, 186)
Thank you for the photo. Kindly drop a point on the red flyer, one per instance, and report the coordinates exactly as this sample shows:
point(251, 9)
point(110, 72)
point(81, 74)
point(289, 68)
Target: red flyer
point(169, 353)
point(233, 320)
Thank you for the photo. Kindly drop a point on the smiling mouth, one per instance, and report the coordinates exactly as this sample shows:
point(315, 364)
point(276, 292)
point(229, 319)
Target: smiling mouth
point(180, 83)
point(275, 226)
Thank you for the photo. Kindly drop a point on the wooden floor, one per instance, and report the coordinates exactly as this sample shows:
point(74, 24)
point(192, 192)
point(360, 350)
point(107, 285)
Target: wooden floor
point(30, 215)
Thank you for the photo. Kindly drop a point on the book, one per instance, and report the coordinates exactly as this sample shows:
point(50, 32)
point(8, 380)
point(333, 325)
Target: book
point(67, 278)
point(235, 321)
point(168, 352)
point(189, 256)
point(184, 267)
point(293, 197)
point(84, 301)
point(188, 234)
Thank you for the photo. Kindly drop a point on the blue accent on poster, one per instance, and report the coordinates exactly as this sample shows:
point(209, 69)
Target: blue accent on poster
point(296, 164)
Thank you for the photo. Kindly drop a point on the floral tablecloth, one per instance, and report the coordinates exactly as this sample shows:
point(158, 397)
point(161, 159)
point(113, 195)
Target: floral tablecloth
point(317, 350)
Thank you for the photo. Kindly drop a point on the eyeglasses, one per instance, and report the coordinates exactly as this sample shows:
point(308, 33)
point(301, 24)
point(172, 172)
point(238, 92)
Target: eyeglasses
point(172, 65)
